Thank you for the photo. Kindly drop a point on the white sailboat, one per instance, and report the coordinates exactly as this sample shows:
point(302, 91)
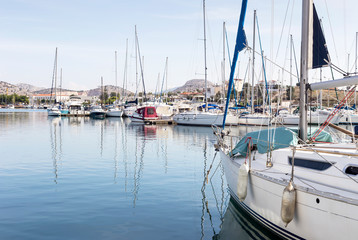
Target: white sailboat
point(204, 117)
point(255, 119)
point(296, 188)
point(317, 117)
point(115, 111)
point(54, 110)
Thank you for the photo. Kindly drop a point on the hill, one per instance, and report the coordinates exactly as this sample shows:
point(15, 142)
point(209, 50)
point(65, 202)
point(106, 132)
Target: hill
point(193, 85)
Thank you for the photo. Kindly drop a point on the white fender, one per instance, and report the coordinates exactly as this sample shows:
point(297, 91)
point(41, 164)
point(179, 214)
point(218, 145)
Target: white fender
point(288, 203)
point(243, 181)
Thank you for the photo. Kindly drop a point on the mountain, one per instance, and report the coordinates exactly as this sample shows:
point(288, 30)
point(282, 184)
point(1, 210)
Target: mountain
point(20, 89)
point(48, 91)
point(109, 89)
point(193, 85)
point(28, 88)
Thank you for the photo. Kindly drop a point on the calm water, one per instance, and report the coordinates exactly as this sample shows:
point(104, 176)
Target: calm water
point(78, 178)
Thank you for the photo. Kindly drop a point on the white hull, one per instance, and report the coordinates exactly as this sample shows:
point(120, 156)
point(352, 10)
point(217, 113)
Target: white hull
point(204, 119)
point(136, 118)
point(314, 119)
point(114, 113)
point(326, 202)
point(254, 119)
point(349, 118)
point(53, 112)
point(128, 112)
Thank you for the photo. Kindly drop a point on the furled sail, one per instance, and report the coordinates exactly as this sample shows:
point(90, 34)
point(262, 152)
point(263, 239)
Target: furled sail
point(318, 56)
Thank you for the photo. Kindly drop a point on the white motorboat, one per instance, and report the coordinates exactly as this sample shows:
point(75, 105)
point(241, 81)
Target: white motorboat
point(97, 112)
point(53, 112)
point(114, 112)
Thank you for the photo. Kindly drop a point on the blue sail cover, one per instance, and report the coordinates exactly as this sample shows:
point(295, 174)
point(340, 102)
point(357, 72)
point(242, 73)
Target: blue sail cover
point(280, 138)
point(320, 55)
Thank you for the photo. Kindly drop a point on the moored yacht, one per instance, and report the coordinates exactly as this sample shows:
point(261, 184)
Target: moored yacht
point(144, 114)
point(97, 112)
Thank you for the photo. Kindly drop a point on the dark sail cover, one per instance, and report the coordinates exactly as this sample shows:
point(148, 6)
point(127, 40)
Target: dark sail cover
point(320, 55)
point(241, 41)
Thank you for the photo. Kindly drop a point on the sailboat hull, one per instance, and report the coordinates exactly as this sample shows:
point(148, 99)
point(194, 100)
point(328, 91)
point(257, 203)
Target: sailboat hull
point(114, 113)
point(318, 214)
point(254, 120)
point(204, 119)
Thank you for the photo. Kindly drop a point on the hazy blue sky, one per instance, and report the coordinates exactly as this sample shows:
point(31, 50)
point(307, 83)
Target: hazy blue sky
point(87, 32)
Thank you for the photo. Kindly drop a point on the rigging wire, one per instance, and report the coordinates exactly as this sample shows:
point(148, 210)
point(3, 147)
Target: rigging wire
point(330, 26)
point(283, 27)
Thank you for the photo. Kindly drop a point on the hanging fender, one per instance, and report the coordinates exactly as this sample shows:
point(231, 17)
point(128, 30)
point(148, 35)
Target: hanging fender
point(288, 203)
point(243, 181)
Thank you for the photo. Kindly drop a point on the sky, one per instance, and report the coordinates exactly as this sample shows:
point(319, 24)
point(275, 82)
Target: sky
point(88, 32)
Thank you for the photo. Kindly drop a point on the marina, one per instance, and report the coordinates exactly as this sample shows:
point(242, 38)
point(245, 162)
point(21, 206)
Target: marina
point(250, 133)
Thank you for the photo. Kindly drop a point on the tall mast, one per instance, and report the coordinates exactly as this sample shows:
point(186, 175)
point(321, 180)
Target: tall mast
point(125, 70)
point(136, 61)
point(306, 19)
point(115, 75)
point(140, 64)
point(290, 72)
point(223, 67)
point(253, 66)
point(206, 69)
point(102, 90)
point(55, 77)
point(355, 71)
point(60, 86)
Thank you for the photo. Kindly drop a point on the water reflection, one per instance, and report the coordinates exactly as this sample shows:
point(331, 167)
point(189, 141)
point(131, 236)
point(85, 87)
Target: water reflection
point(56, 144)
point(237, 224)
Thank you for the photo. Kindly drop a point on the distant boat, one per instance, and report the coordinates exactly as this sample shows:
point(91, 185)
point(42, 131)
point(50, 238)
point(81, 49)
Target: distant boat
point(53, 112)
point(213, 116)
point(144, 114)
point(313, 118)
point(209, 114)
point(97, 112)
point(114, 112)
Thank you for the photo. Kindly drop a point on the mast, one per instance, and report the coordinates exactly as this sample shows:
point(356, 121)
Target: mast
point(206, 69)
point(291, 72)
point(125, 69)
point(223, 67)
point(306, 20)
point(355, 71)
point(55, 78)
point(136, 61)
point(253, 66)
point(140, 64)
point(115, 75)
point(60, 86)
point(240, 44)
point(102, 92)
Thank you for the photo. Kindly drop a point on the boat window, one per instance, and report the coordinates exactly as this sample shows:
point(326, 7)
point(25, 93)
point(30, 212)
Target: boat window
point(312, 164)
point(353, 170)
point(150, 111)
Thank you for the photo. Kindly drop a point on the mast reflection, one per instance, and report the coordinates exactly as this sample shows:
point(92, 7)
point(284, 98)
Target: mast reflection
point(56, 144)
